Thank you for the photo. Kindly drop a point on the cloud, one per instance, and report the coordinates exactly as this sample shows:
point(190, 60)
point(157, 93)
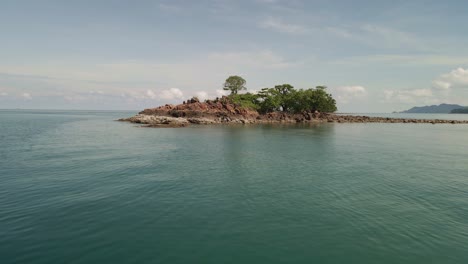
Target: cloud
point(355, 90)
point(280, 26)
point(409, 96)
point(172, 93)
point(442, 85)
point(404, 59)
point(457, 78)
point(391, 36)
point(3, 94)
point(151, 94)
point(96, 92)
point(202, 71)
point(169, 8)
point(340, 32)
point(380, 37)
point(169, 94)
point(26, 96)
point(264, 59)
point(345, 94)
point(141, 83)
point(202, 95)
point(221, 93)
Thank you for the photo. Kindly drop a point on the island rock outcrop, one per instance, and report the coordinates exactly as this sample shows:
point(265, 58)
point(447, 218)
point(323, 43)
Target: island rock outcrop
point(223, 111)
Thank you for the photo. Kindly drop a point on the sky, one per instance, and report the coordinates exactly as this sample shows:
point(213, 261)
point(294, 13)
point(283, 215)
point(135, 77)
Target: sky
point(374, 56)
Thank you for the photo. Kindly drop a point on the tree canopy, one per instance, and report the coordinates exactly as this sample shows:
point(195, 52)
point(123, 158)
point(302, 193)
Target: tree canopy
point(287, 99)
point(282, 97)
point(234, 84)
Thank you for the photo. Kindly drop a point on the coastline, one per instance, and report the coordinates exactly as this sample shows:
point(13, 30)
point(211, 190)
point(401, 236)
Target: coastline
point(222, 112)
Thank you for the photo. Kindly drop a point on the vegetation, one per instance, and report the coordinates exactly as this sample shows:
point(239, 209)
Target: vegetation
point(287, 99)
point(460, 111)
point(234, 84)
point(247, 100)
point(281, 98)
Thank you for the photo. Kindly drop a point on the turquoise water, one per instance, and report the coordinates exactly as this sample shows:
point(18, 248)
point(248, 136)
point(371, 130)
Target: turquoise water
point(77, 187)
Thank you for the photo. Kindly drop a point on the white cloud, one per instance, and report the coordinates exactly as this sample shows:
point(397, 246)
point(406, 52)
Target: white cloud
point(264, 59)
point(151, 94)
point(345, 94)
point(390, 35)
point(3, 94)
point(142, 83)
point(221, 93)
point(380, 37)
point(26, 96)
point(340, 32)
point(355, 90)
point(457, 78)
point(280, 26)
point(171, 94)
point(96, 92)
point(419, 92)
point(404, 59)
point(169, 8)
point(409, 96)
point(207, 70)
point(202, 95)
point(442, 85)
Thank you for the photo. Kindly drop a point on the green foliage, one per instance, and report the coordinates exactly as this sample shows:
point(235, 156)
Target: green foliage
point(312, 100)
point(281, 98)
point(234, 84)
point(269, 100)
point(286, 98)
point(247, 100)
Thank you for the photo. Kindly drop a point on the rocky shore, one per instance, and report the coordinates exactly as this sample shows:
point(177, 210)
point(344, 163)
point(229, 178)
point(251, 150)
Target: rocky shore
point(224, 112)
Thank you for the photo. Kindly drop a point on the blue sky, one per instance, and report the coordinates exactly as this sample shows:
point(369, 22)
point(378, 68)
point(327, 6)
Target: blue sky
point(375, 56)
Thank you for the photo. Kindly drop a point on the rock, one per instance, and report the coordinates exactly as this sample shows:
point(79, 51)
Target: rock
point(202, 121)
point(223, 111)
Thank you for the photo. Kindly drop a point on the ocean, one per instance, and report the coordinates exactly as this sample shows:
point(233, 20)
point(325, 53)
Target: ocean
point(79, 187)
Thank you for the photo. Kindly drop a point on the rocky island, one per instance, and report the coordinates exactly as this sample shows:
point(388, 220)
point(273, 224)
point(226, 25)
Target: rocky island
point(281, 104)
point(225, 112)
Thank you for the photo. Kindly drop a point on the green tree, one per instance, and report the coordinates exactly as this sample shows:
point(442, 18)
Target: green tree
point(281, 98)
point(246, 100)
point(284, 93)
point(268, 100)
point(312, 100)
point(234, 84)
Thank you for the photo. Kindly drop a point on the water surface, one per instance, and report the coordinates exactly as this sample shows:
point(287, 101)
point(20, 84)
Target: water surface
point(77, 187)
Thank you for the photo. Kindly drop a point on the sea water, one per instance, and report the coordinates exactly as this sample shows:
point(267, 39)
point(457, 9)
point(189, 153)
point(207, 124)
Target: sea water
point(79, 187)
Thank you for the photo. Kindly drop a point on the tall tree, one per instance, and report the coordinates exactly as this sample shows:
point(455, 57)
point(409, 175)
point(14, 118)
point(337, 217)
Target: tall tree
point(284, 92)
point(234, 84)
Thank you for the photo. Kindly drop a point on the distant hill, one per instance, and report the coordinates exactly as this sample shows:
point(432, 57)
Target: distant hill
point(434, 109)
point(463, 110)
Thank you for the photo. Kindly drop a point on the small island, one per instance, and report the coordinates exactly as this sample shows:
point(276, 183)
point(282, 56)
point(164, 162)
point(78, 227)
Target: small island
point(280, 104)
point(433, 109)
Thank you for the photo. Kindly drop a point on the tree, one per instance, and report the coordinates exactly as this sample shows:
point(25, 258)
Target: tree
point(312, 100)
point(268, 100)
point(287, 99)
point(281, 98)
point(234, 84)
point(246, 100)
point(284, 92)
